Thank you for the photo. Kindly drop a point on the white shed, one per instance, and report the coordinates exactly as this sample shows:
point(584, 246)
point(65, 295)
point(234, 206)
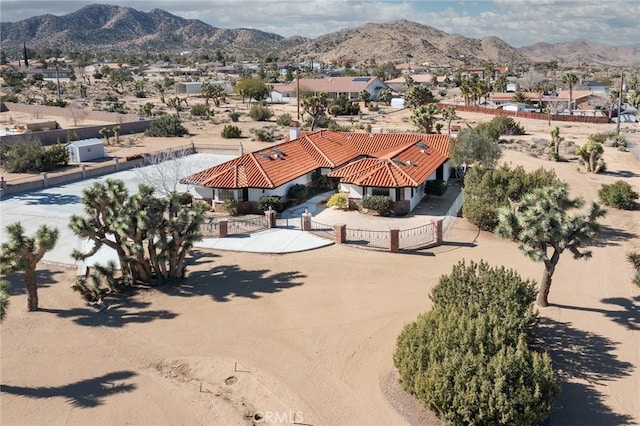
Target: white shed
point(85, 150)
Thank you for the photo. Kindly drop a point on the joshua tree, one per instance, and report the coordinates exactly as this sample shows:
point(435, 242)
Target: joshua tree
point(364, 96)
point(176, 103)
point(449, 113)
point(556, 140)
point(22, 253)
point(425, 116)
point(105, 134)
point(544, 229)
point(116, 133)
point(590, 155)
point(570, 79)
point(316, 107)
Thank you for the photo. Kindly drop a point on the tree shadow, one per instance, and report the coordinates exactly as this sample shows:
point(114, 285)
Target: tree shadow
point(85, 393)
point(226, 282)
point(112, 314)
point(581, 404)
point(48, 198)
point(610, 236)
point(621, 173)
point(628, 316)
point(580, 358)
point(44, 278)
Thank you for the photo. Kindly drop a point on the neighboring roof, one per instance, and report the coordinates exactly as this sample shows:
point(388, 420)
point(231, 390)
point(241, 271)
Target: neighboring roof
point(274, 166)
point(86, 142)
point(417, 78)
point(328, 84)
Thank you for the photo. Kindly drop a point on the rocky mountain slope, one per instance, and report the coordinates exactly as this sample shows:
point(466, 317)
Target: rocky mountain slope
point(106, 28)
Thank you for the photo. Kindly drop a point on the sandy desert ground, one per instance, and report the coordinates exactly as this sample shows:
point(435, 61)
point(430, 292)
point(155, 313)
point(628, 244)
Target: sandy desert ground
point(308, 337)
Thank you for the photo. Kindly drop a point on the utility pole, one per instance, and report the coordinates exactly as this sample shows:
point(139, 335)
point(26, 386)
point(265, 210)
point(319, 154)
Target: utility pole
point(620, 102)
point(298, 90)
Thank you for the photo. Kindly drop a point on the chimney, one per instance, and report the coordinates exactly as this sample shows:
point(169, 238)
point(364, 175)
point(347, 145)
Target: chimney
point(294, 130)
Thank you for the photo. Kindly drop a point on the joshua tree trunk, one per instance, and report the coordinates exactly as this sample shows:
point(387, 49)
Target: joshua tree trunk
point(31, 287)
point(545, 286)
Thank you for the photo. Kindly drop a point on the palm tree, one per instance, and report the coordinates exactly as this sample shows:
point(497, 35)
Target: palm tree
point(22, 253)
point(570, 79)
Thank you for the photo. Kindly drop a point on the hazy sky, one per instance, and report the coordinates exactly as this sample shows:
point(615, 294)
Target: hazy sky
point(518, 22)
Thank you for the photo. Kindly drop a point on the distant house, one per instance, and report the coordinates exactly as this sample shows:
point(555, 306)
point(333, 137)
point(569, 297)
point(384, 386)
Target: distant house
point(50, 73)
point(85, 150)
point(513, 86)
point(349, 87)
point(398, 165)
point(596, 87)
point(482, 72)
point(195, 87)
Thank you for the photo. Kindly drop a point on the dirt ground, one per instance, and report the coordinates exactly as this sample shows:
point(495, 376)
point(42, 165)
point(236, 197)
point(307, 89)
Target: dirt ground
point(308, 337)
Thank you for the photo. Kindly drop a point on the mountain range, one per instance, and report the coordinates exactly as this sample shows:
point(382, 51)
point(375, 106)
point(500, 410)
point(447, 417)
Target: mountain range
point(106, 28)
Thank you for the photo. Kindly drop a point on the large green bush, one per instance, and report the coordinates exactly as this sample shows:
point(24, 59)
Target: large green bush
point(270, 201)
point(468, 359)
point(298, 191)
point(200, 110)
point(260, 112)
point(486, 190)
point(32, 157)
point(230, 132)
point(380, 203)
point(506, 125)
point(618, 194)
point(166, 126)
point(436, 187)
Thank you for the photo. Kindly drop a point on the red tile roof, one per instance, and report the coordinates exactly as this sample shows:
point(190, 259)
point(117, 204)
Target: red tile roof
point(282, 163)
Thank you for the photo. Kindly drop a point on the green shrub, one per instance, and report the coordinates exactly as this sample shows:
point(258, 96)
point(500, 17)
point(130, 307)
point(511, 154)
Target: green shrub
point(339, 200)
point(229, 132)
point(468, 359)
point(55, 102)
point(284, 120)
point(272, 201)
point(380, 203)
point(166, 126)
point(486, 190)
point(618, 194)
point(298, 191)
point(200, 110)
point(32, 157)
point(609, 139)
point(506, 125)
point(234, 116)
point(185, 198)
point(260, 112)
point(230, 206)
point(265, 135)
point(436, 187)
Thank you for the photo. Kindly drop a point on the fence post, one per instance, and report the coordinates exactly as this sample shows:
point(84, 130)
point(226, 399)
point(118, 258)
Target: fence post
point(117, 163)
point(271, 217)
point(340, 230)
point(45, 180)
point(306, 220)
point(223, 227)
point(437, 230)
point(394, 235)
point(83, 171)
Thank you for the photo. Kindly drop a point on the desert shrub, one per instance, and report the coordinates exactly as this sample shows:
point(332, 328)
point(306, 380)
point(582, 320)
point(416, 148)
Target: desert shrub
point(373, 107)
point(32, 157)
point(166, 126)
point(298, 191)
point(468, 359)
point(265, 135)
point(230, 206)
point(341, 105)
point(436, 187)
point(506, 125)
point(634, 258)
point(270, 201)
point(609, 139)
point(9, 98)
point(339, 200)
point(618, 194)
point(229, 132)
point(283, 120)
point(380, 203)
point(486, 190)
point(55, 102)
point(234, 116)
point(140, 94)
point(260, 112)
point(200, 110)
point(185, 198)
